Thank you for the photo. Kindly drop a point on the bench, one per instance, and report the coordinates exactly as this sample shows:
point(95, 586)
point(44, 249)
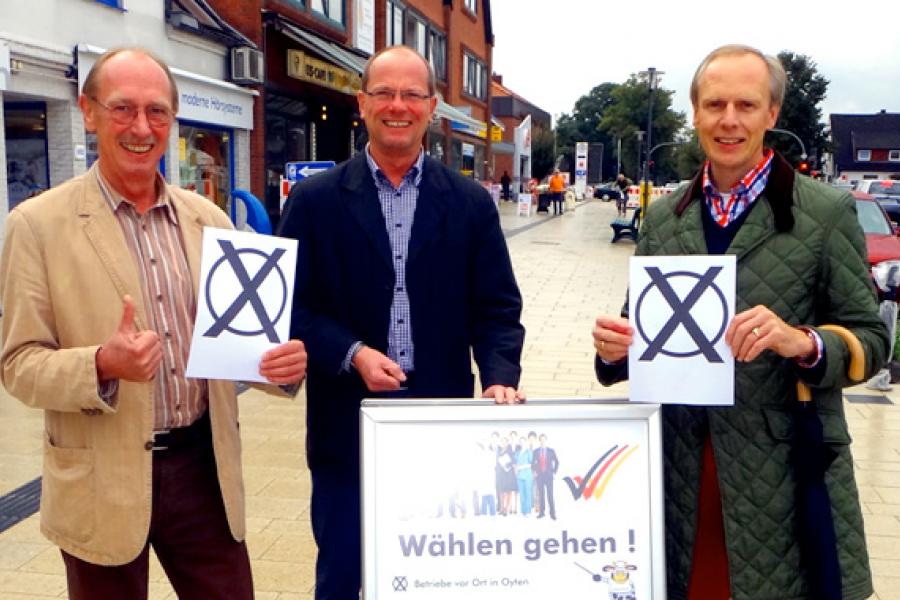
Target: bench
point(625, 227)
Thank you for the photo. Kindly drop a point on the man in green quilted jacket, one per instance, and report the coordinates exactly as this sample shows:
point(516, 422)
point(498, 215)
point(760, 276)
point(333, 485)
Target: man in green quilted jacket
point(736, 508)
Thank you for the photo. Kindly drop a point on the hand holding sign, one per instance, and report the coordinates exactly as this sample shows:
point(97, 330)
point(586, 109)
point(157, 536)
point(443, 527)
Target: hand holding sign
point(284, 364)
point(129, 354)
point(758, 329)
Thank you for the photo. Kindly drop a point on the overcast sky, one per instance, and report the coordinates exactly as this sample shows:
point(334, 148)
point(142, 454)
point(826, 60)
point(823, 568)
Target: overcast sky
point(552, 53)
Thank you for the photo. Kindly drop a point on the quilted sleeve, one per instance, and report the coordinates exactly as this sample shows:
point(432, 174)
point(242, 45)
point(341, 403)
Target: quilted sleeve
point(846, 297)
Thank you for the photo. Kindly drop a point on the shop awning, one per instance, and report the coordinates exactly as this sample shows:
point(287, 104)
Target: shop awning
point(340, 56)
point(355, 63)
point(445, 111)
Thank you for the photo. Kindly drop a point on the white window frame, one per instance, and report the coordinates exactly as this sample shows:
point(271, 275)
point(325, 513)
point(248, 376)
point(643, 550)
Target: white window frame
point(863, 155)
point(333, 10)
point(472, 6)
point(474, 76)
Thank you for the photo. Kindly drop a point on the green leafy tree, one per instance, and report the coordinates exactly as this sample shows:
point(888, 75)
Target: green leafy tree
point(627, 115)
point(542, 158)
point(583, 125)
point(800, 113)
point(689, 156)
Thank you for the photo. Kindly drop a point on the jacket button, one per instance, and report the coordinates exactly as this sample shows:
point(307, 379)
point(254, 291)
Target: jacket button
point(148, 446)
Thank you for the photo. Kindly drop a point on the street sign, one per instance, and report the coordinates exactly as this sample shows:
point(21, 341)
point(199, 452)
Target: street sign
point(295, 171)
point(581, 162)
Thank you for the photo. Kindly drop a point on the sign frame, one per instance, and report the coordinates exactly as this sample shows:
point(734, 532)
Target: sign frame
point(387, 421)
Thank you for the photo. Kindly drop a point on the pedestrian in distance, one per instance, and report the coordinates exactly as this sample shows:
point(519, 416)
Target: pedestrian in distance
point(557, 189)
point(403, 275)
point(504, 185)
point(741, 522)
point(622, 201)
point(98, 281)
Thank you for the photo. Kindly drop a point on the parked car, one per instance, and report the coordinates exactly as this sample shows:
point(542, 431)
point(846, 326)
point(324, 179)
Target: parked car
point(882, 243)
point(607, 192)
point(886, 192)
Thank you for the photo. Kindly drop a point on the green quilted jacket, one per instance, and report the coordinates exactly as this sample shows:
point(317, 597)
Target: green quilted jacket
point(801, 253)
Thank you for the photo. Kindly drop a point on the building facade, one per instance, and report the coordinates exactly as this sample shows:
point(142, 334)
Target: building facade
point(512, 152)
point(865, 146)
point(46, 51)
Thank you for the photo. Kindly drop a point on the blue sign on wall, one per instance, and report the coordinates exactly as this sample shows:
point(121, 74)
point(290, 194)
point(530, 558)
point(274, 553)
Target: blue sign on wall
point(295, 171)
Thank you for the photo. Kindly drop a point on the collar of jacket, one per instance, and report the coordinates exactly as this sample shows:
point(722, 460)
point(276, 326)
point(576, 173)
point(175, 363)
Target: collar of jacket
point(779, 192)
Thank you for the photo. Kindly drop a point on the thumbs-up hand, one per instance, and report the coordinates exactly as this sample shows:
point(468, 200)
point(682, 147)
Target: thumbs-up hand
point(129, 354)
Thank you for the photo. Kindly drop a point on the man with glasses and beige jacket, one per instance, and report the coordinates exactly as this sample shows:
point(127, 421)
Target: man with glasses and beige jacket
point(98, 282)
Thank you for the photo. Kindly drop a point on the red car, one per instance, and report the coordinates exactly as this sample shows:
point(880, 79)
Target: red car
point(882, 243)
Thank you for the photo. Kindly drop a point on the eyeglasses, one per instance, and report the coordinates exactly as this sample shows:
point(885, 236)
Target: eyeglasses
point(125, 114)
point(384, 96)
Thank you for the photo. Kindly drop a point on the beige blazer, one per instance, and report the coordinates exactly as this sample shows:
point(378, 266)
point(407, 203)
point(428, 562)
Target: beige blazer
point(63, 272)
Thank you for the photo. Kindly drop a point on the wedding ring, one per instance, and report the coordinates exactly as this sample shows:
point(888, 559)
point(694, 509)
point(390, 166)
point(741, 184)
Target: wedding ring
point(755, 331)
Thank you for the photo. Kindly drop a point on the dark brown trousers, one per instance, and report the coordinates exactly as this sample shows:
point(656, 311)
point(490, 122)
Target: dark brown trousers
point(188, 532)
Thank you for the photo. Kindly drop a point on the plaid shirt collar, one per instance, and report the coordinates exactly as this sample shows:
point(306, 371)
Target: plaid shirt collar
point(740, 197)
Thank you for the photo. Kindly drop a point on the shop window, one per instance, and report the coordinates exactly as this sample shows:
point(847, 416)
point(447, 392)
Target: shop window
point(204, 162)
point(894, 155)
point(330, 9)
point(863, 155)
point(437, 142)
point(479, 163)
point(468, 160)
point(27, 172)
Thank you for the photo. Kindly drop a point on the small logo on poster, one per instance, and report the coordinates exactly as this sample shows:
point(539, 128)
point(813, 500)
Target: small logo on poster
point(594, 481)
point(400, 583)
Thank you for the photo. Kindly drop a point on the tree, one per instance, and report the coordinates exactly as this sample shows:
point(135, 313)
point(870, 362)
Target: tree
point(800, 113)
point(542, 158)
point(583, 125)
point(627, 115)
point(689, 156)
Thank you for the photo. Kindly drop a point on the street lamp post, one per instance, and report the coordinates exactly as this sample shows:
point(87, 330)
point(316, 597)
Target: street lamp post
point(796, 137)
point(640, 151)
point(652, 82)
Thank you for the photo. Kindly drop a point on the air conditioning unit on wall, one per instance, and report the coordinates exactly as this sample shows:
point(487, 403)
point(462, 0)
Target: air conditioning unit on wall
point(247, 65)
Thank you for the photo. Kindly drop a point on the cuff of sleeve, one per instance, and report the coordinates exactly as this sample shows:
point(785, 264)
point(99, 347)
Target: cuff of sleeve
point(107, 390)
point(347, 364)
point(812, 360)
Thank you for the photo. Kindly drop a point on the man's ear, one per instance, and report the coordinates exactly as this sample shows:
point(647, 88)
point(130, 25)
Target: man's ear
point(87, 110)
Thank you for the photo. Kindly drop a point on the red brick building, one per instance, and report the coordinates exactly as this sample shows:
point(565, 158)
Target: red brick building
point(312, 56)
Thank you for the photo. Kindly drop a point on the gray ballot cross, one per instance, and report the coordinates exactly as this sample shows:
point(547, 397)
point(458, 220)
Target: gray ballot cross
point(681, 314)
point(249, 293)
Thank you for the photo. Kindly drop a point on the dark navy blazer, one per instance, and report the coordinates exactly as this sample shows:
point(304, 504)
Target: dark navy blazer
point(463, 295)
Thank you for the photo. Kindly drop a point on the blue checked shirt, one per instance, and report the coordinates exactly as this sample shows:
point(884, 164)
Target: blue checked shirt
point(398, 206)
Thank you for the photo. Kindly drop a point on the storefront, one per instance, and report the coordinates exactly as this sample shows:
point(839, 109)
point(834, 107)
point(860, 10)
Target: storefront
point(27, 160)
point(311, 112)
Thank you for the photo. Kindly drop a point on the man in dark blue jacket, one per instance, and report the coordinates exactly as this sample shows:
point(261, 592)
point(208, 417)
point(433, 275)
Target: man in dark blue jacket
point(402, 275)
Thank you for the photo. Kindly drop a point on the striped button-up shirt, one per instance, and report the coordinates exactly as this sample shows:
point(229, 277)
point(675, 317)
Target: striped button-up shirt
point(398, 205)
point(154, 241)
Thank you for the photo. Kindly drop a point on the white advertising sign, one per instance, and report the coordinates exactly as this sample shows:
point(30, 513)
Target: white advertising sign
point(244, 303)
point(680, 308)
point(523, 207)
point(550, 499)
point(581, 165)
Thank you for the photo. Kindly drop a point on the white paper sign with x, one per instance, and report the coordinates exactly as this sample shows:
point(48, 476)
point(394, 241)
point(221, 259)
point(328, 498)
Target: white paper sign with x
point(243, 303)
point(680, 308)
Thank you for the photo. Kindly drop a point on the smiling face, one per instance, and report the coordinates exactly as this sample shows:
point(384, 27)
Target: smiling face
point(129, 154)
point(396, 126)
point(732, 113)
